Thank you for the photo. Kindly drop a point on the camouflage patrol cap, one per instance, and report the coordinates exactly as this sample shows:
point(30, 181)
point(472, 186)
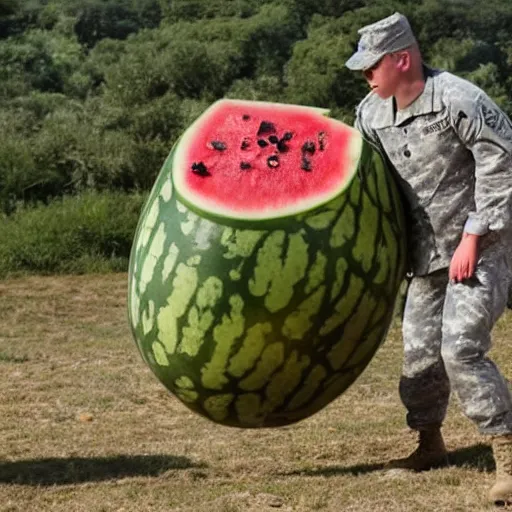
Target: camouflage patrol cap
point(388, 35)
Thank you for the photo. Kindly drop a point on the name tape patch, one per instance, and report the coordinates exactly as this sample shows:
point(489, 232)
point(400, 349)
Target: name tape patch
point(436, 127)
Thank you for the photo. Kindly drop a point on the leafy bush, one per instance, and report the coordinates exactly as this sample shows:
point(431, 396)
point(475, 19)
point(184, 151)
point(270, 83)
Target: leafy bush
point(88, 233)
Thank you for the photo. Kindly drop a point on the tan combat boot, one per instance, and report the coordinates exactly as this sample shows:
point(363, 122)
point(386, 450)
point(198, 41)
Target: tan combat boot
point(501, 492)
point(431, 453)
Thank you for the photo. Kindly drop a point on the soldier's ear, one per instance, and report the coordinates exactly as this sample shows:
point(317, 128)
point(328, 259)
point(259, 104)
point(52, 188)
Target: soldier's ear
point(403, 61)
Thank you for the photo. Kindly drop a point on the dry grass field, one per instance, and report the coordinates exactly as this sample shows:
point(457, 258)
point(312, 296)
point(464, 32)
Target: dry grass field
point(84, 426)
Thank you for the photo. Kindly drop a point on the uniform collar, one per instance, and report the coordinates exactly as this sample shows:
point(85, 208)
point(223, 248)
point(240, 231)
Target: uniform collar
point(429, 101)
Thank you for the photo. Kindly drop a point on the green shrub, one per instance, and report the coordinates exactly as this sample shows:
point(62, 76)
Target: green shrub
point(88, 233)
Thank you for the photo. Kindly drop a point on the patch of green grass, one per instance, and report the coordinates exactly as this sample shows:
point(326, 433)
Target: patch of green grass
point(10, 358)
point(90, 233)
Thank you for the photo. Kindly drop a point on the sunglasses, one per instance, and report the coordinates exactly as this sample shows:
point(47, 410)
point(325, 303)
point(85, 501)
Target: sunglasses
point(368, 72)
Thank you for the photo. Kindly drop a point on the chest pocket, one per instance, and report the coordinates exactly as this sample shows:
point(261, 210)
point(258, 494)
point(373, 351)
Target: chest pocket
point(423, 149)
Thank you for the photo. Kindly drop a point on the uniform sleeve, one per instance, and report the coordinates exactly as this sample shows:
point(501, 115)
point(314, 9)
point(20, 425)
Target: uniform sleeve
point(362, 124)
point(487, 132)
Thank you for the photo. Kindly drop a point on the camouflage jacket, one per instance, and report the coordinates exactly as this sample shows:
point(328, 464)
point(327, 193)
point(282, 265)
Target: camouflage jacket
point(452, 150)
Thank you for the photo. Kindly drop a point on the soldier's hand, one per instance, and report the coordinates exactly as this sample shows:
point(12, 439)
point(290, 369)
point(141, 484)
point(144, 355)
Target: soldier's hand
point(464, 259)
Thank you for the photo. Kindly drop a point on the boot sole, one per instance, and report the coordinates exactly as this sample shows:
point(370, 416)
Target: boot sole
point(435, 465)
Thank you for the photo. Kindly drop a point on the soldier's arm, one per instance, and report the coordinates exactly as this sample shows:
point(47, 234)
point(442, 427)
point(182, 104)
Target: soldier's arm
point(487, 133)
point(362, 124)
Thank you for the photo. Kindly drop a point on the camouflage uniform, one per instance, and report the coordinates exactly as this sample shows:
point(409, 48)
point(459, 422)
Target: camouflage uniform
point(452, 150)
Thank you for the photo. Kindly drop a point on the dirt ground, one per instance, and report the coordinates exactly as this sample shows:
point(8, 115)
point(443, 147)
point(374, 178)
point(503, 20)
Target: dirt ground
point(84, 426)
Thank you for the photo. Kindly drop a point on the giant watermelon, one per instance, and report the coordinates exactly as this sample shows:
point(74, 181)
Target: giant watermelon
point(266, 263)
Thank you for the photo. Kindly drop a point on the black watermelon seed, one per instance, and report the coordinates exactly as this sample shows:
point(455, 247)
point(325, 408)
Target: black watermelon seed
point(321, 140)
point(308, 147)
point(266, 127)
point(287, 136)
point(273, 161)
point(281, 146)
point(246, 117)
point(262, 143)
point(245, 165)
point(200, 169)
point(306, 164)
point(218, 145)
point(273, 139)
point(245, 144)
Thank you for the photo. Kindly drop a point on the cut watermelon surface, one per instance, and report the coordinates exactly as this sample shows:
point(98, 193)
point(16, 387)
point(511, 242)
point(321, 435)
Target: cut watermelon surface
point(266, 263)
point(259, 160)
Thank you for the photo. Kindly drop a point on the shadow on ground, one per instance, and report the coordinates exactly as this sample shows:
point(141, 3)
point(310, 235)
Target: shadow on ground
point(477, 457)
point(358, 469)
point(78, 470)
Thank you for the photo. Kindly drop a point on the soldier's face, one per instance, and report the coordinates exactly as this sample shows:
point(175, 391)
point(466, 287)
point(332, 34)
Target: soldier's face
point(384, 76)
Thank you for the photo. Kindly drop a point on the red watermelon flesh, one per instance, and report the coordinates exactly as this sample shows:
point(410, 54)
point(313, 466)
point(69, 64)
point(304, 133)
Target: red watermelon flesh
point(257, 160)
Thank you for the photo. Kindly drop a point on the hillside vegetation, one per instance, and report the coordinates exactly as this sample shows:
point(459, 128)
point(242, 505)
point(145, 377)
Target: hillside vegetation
point(93, 93)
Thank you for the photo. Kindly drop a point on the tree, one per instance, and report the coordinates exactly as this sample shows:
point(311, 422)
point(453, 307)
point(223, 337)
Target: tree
point(316, 74)
point(191, 10)
point(16, 17)
point(40, 60)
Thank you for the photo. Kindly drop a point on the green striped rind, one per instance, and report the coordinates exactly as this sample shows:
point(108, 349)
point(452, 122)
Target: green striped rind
point(264, 327)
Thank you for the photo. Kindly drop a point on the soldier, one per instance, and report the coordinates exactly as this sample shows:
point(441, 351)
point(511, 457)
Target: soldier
point(451, 148)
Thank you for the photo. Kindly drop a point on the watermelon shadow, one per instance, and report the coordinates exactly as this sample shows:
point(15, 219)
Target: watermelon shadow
point(73, 470)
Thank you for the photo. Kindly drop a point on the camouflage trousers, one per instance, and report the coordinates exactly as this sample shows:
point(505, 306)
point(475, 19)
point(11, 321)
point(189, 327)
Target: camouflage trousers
point(447, 334)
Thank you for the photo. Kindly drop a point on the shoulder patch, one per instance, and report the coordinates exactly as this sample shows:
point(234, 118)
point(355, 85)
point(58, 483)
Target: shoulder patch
point(496, 120)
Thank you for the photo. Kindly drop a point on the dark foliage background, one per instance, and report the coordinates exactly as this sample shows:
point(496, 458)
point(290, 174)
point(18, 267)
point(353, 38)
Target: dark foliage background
point(93, 93)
